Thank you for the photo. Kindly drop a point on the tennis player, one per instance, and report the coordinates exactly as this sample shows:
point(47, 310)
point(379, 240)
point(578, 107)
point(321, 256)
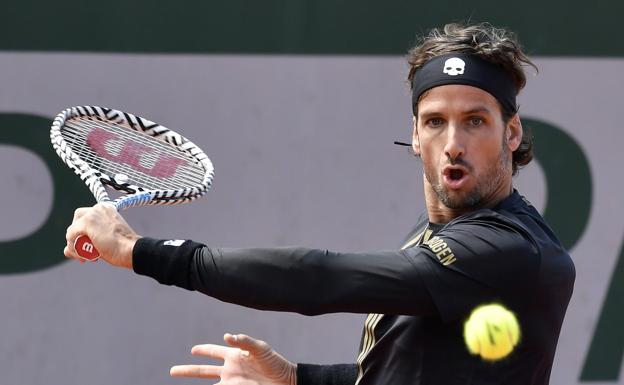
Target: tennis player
point(479, 241)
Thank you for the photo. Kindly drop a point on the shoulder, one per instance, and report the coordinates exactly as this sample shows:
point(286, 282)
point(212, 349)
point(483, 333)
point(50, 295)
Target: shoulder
point(502, 229)
point(514, 223)
point(487, 246)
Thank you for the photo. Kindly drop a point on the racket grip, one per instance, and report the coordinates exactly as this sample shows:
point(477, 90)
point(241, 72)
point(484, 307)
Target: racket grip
point(85, 249)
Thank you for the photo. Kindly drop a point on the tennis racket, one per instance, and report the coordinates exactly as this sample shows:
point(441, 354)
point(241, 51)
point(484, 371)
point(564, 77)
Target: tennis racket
point(144, 162)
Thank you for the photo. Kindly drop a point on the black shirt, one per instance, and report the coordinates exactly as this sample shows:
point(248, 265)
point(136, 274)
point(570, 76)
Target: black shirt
point(418, 297)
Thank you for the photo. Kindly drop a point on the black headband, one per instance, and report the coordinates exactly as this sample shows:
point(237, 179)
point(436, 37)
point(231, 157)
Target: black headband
point(471, 70)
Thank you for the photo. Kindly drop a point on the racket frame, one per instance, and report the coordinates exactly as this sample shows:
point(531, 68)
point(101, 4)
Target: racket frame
point(96, 180)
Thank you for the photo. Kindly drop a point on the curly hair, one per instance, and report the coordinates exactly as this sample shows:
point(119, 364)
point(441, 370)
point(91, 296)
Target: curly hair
point(496, 45)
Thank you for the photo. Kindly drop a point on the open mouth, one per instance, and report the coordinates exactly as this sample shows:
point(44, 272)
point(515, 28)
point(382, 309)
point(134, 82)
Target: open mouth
point(455, 177)
point(456, 174)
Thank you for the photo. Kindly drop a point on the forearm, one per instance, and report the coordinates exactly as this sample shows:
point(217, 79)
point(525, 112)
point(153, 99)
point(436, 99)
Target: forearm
point(305, 281)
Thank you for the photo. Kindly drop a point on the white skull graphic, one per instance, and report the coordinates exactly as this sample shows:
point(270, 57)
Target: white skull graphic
point(454, 66)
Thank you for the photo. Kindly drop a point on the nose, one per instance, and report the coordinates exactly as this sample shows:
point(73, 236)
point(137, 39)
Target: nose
point(454, 147)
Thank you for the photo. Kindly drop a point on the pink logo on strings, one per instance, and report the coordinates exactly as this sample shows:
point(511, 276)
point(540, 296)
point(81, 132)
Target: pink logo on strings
point(131, 153)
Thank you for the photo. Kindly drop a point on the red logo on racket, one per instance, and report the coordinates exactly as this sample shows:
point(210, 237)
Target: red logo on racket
point(84, 248)
point(131, 153)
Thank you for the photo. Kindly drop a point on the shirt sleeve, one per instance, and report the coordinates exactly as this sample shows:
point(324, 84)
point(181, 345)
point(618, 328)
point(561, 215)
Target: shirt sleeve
point(470, 261)
point(301, 280)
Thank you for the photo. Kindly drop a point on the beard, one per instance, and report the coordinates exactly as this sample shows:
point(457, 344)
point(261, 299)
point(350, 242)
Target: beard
point(486, 184)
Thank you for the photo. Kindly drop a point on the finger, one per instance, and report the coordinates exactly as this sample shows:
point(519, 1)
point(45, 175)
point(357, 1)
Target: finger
point(210, 350)
point(79, 212)
point(78, 227)
point(69, 252)
point(199, 371)
point(244, 342)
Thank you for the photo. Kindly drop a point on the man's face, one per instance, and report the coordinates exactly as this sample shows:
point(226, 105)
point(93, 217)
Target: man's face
point(464, 144)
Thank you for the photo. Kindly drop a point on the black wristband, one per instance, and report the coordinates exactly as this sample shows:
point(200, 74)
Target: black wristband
point(339, 374)
point(167, 261)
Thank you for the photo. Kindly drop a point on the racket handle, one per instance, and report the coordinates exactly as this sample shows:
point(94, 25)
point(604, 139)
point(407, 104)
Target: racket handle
point(85, 249)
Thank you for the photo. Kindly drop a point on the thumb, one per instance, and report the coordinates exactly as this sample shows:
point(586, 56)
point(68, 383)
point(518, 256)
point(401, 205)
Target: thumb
point(244, 342)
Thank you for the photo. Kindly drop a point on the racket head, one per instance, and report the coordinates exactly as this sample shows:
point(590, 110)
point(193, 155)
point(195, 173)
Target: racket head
point(144, 161)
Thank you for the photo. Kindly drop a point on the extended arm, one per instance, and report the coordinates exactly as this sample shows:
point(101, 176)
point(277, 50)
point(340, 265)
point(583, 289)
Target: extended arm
point(448, 270)
point(306, 281)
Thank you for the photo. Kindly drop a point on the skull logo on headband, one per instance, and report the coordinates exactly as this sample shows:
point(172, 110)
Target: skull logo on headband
point(454, 66)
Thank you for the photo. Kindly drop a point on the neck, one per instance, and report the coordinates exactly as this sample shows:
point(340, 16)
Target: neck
point(439, 213)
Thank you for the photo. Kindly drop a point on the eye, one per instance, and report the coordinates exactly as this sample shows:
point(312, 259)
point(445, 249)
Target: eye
point(476, 121)
point(435, 122)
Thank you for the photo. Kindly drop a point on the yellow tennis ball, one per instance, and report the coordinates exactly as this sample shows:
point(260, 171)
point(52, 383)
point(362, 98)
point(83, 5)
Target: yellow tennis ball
point(492, 332)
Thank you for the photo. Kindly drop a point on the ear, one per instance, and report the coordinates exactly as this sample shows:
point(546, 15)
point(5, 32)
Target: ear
point(415, 141)
point(514, 133)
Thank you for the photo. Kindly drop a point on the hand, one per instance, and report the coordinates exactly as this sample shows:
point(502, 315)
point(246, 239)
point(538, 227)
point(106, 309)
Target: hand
point(247, 362)
point(109, 232)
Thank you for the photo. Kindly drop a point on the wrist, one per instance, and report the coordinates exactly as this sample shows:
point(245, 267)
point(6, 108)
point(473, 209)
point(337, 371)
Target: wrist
point(293, 374)
point(167, 261)
point(127, 251)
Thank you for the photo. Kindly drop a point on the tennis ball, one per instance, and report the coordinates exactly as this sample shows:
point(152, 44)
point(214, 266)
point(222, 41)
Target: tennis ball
point(492, 331)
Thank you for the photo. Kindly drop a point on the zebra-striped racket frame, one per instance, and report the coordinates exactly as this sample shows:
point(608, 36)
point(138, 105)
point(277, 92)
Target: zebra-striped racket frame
point(95, 180)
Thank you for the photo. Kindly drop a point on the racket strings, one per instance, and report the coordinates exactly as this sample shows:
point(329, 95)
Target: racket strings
point(146, 170)
point(181, 177)
point(112, 168)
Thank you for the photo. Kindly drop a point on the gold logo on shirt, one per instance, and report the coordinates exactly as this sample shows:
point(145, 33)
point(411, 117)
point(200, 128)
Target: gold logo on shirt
point(441, 249)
